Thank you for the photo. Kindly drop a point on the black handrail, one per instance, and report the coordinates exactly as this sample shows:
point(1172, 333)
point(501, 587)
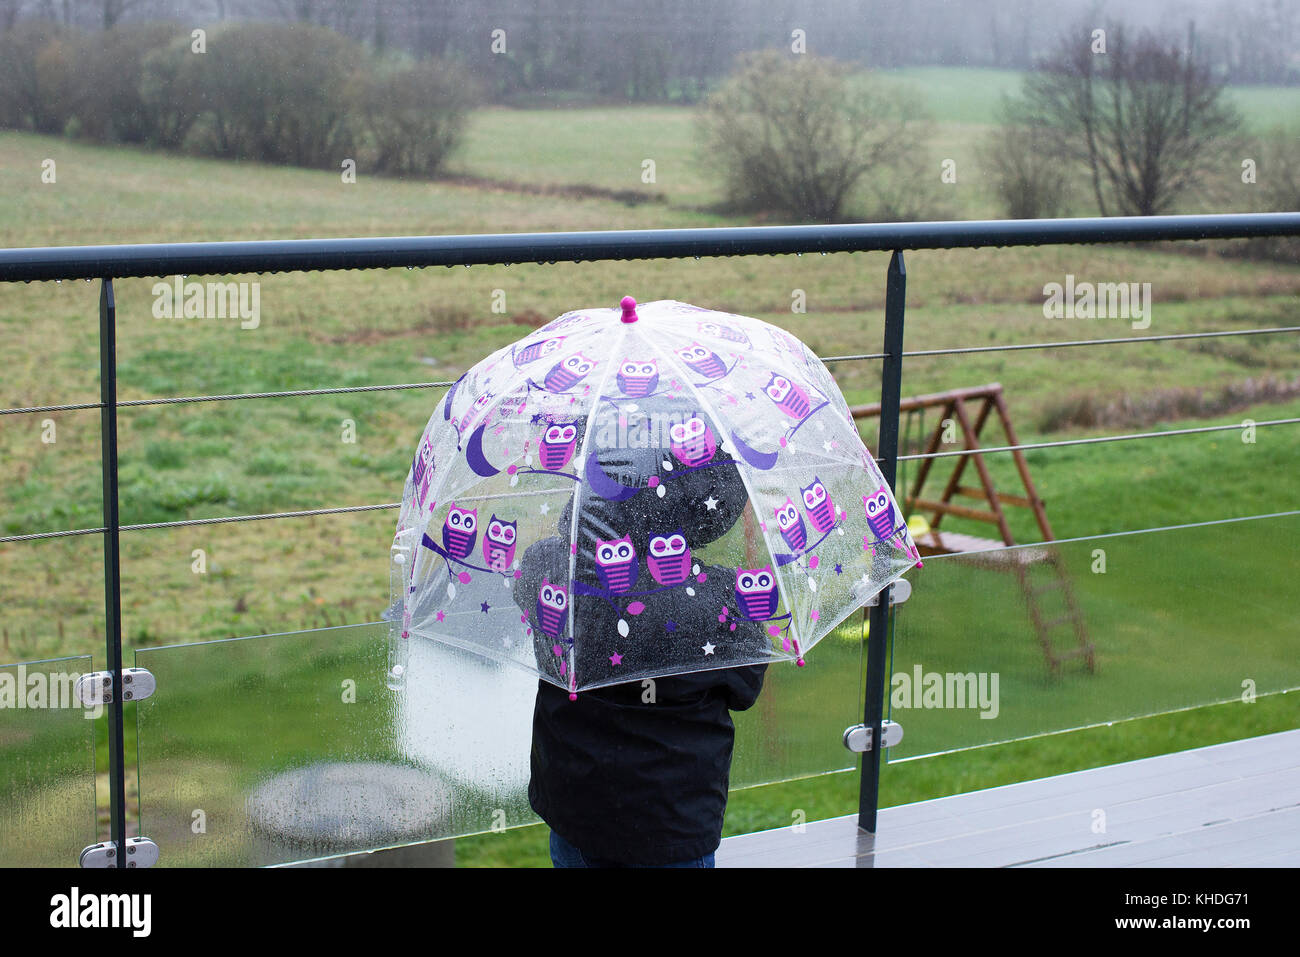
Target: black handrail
point(295, 255)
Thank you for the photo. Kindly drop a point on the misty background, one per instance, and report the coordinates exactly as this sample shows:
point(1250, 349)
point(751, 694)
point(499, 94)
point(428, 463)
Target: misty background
point(667, 50)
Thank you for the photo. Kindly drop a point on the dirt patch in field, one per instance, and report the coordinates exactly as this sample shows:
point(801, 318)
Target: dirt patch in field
point(437, 321)
point(629, 197)
point(1091, 410)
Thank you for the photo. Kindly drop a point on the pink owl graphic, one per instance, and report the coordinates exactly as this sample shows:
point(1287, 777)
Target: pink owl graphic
point(669, 559)
point(817, 503)
point(789, 397)
point(459, 531)
point(637, 378)
point(692, 442)
point(616, 564)
point(756, 592)
point(538, 350)
point(499, 544)
point(558, 443)
point(704, 361)
point(719, 331)
point(568, 372)
point(552, 608)
point(792, 527)
point(422, 472)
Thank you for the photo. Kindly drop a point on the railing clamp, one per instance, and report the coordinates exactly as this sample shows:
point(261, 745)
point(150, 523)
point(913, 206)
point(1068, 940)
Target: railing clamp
point(140, 852)
point(858, 737)
point(96, 688)
point(900, 590)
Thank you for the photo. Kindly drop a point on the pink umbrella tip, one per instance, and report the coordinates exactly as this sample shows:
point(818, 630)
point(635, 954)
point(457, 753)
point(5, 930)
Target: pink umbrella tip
point(629, 309)
point(573, 697)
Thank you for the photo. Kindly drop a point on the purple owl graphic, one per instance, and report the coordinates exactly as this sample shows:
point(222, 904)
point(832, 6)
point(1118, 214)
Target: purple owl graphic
point(719, 331)
point(756, 592)
point(638, 378)
point(568, 372)
point(817, 503)
point(499, 544)
point(704, 361)
point(459, 530)
point(558, 442)
point(789, 397)
point(791, 524)
point(669, 560)
point(882, 517)
point(538, 350)
point(422, 472)
point(616, 564)
point(692, 442)
point(552, 608)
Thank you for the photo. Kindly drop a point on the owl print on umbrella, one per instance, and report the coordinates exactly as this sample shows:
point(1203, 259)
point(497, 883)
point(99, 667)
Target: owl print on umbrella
point(595, 474)
point(460, 532)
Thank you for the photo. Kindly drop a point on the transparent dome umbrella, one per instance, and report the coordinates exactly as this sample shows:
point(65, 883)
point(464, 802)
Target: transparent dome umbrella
point(727, 511)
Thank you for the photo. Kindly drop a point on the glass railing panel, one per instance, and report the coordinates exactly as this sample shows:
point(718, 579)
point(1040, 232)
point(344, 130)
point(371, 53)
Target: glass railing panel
point(47, 764)
point(281, 748)
point(1017, 642)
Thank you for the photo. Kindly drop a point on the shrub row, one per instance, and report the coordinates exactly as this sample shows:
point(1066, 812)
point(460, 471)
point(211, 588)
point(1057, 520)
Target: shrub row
point(277, 93)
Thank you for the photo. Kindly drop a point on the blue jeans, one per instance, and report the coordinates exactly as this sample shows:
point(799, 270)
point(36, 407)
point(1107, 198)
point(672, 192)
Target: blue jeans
point(564, 854)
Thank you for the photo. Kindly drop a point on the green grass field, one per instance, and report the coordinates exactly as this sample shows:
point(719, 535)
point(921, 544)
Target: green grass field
point(354, 328)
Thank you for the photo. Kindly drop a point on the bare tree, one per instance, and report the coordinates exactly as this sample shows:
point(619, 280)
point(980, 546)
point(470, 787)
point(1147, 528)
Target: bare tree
point(1144, 116)
point(797, 135)
point(1028, 181)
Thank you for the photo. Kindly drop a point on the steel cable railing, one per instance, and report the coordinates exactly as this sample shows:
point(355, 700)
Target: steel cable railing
point(107, 263)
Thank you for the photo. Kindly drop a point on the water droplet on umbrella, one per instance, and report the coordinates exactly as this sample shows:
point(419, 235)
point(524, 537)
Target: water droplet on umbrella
point(451, 590)
point(667, 465)
point(660, 491)
point(812, 585)
point(691, 592)
point(622, 627)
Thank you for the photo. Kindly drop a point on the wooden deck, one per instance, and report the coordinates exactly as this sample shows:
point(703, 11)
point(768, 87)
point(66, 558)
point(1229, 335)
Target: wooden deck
point(1227, 805)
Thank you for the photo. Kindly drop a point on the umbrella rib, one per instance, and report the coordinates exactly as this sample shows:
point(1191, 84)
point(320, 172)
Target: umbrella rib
point(577, 502)
point(749, 490)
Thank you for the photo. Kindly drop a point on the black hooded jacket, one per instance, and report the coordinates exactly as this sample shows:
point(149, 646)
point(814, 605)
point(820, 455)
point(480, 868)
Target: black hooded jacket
point(635, 782)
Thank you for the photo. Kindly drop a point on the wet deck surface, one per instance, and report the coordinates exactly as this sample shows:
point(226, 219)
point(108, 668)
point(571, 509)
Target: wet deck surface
point(1227, 805)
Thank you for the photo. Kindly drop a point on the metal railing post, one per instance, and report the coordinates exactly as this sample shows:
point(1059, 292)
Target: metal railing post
point(891, 381)
point(112, 565)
